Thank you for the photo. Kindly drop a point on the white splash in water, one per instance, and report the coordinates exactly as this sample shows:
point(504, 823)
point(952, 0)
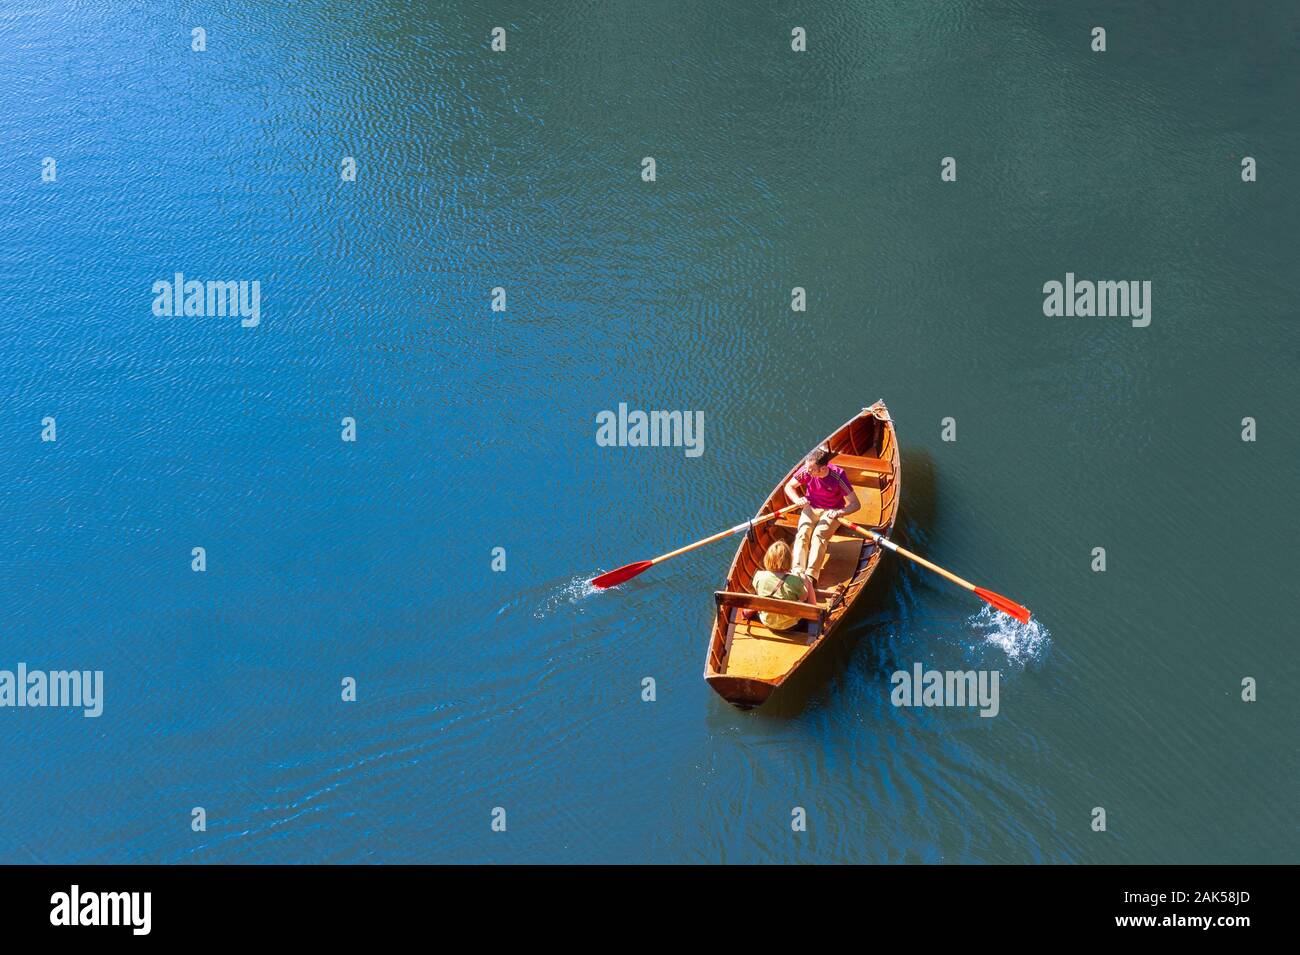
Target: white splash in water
point(570, 592)
point(1021, 642)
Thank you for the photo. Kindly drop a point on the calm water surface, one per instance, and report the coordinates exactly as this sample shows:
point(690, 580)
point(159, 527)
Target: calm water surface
point(476, 429)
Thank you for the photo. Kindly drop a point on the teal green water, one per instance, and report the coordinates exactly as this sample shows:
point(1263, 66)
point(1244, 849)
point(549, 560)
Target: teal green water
point(521, 169)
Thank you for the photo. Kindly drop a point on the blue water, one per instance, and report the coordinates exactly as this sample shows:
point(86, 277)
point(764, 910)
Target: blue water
point(522, 689)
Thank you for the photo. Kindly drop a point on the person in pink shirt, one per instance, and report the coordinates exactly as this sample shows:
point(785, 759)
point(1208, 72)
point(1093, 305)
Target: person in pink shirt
point(826, 496)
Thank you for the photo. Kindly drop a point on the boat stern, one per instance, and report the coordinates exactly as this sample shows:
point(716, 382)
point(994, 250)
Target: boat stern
point(745, 692)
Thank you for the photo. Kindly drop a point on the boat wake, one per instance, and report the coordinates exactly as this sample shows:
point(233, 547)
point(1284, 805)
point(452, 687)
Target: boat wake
point(1022, 643)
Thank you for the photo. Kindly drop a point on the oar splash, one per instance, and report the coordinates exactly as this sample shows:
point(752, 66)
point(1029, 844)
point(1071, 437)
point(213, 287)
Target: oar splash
point(1020, 643)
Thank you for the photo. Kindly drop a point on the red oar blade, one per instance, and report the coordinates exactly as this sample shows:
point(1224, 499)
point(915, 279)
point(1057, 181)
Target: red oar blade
point(626, 572)
point(1008, 607)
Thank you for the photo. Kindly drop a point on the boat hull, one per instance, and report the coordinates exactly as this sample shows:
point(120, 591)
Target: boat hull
point(746, 662)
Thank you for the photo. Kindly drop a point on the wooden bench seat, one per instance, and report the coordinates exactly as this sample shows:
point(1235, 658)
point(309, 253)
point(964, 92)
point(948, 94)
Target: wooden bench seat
point(790, 522)
point(786, 608)
point(860, 469)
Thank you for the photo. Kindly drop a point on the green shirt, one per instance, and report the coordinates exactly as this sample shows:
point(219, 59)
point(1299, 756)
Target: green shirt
point(785, 587)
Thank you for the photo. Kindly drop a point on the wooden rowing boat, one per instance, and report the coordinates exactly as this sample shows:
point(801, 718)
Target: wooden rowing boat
point(747, 661)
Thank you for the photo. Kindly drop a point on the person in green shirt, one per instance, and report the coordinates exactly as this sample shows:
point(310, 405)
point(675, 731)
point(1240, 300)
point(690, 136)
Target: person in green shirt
point(775, 580)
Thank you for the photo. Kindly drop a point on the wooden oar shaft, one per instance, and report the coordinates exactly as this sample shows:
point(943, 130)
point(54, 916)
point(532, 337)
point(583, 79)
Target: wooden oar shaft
point(721, 534)
point(884, 541)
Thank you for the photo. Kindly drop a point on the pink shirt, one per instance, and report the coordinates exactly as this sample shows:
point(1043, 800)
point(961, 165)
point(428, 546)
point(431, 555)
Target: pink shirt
point(830, 491)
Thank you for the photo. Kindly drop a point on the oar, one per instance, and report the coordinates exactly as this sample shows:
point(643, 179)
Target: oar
point(1009, 607)
point(628, 571)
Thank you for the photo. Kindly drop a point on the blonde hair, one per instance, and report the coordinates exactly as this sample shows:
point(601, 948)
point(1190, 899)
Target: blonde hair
point(778, 557)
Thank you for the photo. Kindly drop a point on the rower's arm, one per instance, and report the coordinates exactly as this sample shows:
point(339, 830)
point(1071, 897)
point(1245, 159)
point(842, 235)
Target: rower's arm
point(851, 503)
point(850, 496)
point(793, 492)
